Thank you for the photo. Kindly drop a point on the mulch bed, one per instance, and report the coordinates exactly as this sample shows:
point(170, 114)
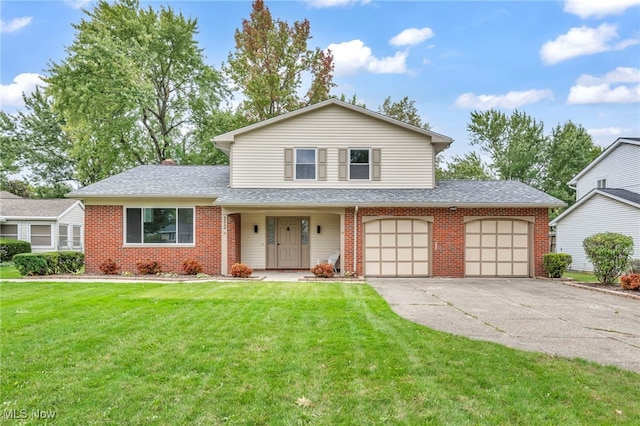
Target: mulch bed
point(608, 288)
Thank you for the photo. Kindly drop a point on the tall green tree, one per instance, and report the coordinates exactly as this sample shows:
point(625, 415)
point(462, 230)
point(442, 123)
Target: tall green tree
point(403, 110)
point(516, 144)
point(270, 61)
point(133, 89)
point(470, 167)
point(10, 148)
point(570, 149)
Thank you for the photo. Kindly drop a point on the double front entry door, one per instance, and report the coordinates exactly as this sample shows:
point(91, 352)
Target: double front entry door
point(288, 242)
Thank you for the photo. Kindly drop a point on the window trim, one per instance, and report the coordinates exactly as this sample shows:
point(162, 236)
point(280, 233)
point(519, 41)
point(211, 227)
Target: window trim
point(51, 235)
point(315, 163)
point(143, 244)
point(349, 164)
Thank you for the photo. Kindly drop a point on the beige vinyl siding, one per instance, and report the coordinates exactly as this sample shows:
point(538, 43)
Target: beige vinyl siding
point(595, 215)
point(253, 244)
point(619, 168)
point(328, 240)
point(258, 156)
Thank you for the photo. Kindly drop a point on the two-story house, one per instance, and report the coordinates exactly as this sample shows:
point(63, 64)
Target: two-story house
point(325, 178)
point(607, 200)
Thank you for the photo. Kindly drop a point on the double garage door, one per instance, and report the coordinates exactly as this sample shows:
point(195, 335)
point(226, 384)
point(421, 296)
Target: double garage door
point(401, 247)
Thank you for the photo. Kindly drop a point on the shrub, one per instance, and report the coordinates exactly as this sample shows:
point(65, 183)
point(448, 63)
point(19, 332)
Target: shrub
point(556, 263)
point(31, 263)
point(191, 267)
point(9, 248)
point(70, 262)
point(109, 267)
point(634, 266)
point(609, 253)
point(630, 282)
point(241, 270)
point(148, 267)
point(323, 270)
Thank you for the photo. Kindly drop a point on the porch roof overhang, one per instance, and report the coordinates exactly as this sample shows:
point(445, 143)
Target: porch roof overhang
point(446, 194)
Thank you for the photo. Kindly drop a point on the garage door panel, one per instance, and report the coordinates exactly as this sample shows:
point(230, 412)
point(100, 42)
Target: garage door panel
point(372, 254)
point(421, 255)
point(497, 247)
point(405, 240)
point(396, 247)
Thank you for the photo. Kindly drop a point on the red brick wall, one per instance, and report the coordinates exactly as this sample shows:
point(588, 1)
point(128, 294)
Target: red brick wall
point(104, 238)
point(447, 234)
point(234, 243)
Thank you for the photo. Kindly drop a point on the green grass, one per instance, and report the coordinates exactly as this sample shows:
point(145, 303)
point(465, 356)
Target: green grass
point(584, 277)
point(8, 271)
point(245, 353)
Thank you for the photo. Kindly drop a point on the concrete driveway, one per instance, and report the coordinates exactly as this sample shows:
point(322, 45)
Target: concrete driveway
point(529, 314)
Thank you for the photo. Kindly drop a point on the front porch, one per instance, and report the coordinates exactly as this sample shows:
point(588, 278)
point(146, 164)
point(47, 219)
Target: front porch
point(271, 240)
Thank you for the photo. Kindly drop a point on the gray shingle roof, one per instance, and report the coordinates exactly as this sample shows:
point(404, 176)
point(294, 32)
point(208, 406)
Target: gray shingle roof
point(623, 193)
point(447, 193)
point(213, 181)
point(160, 181)
point(25, 208)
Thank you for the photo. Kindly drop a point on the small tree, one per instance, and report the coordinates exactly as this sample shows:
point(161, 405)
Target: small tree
point(610, 254)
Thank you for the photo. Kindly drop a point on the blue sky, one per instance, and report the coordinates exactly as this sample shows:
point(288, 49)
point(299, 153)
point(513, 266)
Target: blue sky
point(555, 60)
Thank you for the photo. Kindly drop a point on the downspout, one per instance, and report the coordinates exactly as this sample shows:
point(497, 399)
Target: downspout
point(355, 239)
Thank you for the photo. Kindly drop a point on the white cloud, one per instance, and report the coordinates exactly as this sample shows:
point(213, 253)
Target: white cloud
point(321, 4)
point(615, 87)
point(583, 41)
point(511, 100)
point(351, 57)
point(606, 131)
point(598, 8)
point(411, 36)
point(603, 94)
point(15, 24)
point(77, 4)
point(619, 75)
point(11, 94)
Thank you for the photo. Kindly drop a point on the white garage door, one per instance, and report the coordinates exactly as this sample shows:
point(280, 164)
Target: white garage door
point(497, 248)
point(396, 247)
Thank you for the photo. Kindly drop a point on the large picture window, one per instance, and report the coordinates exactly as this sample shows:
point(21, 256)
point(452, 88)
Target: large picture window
point(159, 226)
point(305, 163)
point(359, 164)
point(9, 231)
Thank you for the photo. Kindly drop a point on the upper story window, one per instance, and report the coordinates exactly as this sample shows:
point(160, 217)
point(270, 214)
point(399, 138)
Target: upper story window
point(601, 183)
point(359, 164)
point(305, 163)
point(159, 226)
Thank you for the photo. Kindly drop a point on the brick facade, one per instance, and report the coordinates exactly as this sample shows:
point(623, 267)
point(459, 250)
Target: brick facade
point(233, 240)
point(448, 234)
point(104, 238)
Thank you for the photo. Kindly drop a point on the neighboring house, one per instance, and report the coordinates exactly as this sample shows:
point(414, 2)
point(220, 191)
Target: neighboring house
point(608, 200)
point(49, 225)
point(331, 176)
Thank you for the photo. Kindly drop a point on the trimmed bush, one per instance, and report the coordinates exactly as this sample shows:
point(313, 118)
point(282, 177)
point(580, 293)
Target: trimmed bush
point(109, 267)
point(323, 270)
point(70, 262)
point(609, 253)
point(191, 267)
point(240, 270)
point(148, 267)
point(556, 264)
point(9, 248)
point(31, 263)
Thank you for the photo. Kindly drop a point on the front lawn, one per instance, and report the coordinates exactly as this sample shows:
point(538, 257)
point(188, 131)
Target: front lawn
point(274, 353)
point(8, 271)
point(581, 277)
